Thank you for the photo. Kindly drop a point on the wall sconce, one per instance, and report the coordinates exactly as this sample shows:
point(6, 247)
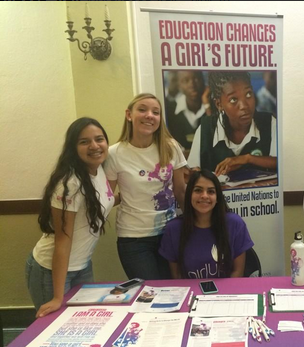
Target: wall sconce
point(99, 47)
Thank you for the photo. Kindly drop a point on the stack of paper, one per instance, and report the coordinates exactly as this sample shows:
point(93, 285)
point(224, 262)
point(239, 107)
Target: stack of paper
point(289, 325)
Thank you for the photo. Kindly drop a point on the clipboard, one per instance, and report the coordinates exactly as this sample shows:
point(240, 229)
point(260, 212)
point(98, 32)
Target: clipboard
point(214, 305)
point(286, 300)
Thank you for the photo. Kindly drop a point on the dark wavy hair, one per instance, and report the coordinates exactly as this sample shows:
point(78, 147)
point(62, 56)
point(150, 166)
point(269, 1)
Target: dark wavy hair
point(69, 163)
point(218, 223)
point(217, 80)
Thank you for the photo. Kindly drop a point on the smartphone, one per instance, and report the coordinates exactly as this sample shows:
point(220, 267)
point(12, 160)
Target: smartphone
point(125, 286)
point(208, 287)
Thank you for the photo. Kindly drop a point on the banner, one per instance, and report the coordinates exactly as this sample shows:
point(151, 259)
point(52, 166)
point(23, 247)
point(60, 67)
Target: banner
point(219, 74)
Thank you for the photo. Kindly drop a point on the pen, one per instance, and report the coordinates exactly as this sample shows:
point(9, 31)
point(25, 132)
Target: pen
point(266, 336)
point(251, 328)
point(271, 332)
point(268, 330)
point(263, 330)
point(265, 307)
point(257, 334)
point(190, 298)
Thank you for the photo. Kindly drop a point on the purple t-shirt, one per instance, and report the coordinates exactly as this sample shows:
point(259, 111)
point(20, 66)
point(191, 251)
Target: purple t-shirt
point(201, 253)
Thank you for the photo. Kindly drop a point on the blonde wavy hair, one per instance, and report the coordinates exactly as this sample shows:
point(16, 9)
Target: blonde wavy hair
point(161, 137)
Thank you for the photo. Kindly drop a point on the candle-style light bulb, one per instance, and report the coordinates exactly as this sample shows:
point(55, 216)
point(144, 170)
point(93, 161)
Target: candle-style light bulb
point(87, 13)
point(69, 19)
point(107, 13)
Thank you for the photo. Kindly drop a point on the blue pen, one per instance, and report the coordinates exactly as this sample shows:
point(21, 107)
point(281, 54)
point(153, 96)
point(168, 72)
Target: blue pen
point(252, 328)
point(262, 329)
point(269, 331)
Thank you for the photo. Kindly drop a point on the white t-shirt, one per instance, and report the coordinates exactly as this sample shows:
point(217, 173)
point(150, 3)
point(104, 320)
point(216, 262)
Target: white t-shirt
point(146, 189)
point(84, 240)
point(219, 135)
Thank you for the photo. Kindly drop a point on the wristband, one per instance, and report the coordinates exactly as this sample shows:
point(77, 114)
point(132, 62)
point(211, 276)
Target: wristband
point(206, 106)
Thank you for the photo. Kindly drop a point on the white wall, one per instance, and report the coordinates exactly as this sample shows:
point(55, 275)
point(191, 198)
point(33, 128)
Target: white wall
point(34, 116)
point(37, 105)
point(31, 69)
point(293, 72)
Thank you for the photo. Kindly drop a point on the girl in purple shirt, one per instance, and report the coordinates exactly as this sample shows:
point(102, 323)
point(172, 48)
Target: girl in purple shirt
point(207, 232)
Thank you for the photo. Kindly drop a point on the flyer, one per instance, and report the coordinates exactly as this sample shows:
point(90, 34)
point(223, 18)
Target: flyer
point(81, 326)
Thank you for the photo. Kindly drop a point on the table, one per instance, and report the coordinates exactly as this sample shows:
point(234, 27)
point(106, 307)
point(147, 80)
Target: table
point(252, 285)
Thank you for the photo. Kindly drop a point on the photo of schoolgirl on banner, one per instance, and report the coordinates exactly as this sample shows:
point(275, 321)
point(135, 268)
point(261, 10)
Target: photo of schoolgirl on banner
point(226, 122)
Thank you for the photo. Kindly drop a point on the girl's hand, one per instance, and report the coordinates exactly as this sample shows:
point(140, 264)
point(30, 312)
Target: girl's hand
point(49, 307)
point(206, 96)
point(189, 171)
point(231, 164)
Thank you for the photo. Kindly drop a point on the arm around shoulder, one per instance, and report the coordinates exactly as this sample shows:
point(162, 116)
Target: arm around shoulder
point(117, 196)
point(179, 186)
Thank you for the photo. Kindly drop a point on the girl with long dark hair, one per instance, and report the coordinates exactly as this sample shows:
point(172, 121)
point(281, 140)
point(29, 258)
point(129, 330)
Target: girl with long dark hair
point(208, 240)
point(75, 205)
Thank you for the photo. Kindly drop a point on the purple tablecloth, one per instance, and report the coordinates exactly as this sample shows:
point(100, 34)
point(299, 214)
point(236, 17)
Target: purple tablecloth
point(225, 286)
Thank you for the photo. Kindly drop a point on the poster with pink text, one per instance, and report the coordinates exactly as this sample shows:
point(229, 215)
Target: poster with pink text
point(219, 76)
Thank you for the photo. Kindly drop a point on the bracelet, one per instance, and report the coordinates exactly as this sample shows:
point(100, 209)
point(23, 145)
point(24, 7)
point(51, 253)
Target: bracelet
point(206, 106)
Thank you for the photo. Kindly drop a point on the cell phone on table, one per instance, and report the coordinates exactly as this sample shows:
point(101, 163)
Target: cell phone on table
point(125, 286)
point(208, 287)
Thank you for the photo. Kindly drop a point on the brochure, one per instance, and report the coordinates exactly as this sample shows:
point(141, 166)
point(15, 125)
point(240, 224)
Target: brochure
point(101, 294)
point(81, 326)
point(147, 329)
point(223, 332)
point(159, 299)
